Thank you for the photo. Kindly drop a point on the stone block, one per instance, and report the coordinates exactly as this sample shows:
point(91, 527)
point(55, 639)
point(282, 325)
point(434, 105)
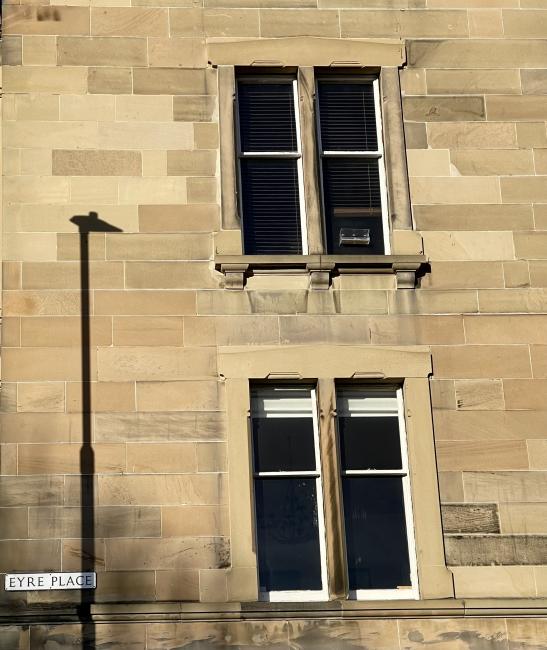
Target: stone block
point(65, 459)
point(177, 52)
point(309, 634)
point(66, 275)
point(450, 486)
point(158, 427)
point(525, 108)
point(467, 518)
point(475, 550)
point(531, 134)
point(538, 273)
point(534, 82)
point(168, 554)
point(432, 302)
point(473, 246)
point(80, 552)
point(455, 190)
point(179, 396)
point(190, 521)
point(213, 587)
point(96, 163)
point(428, 162)
point(114, 586)
point(193, 108)
point(94, 189)
point(180, 584)
point(214, 22)
point(485, 23)
point(523, 518)
point(43, 79)
point(537, 452)
point(12, 50)
point(524, 24)
point(101, 51)
point(51, 135)
point(129, 21)
point(147, 330)
point(526, 632)
point(28, 19)
point(40, 427)
point(516, 274)
point(167, 489)
point(154, 136)
point(34, 189)
point(528, 394)
point(530, 245)
point(158, 247)
point(442, 82)
point(479, 395)
point(415, 136)
point(510, 487)
point(113, 81)
point(105, 396)
point(35, 303)
point(37, 398)
point(458, 455)
point(37, 107)
point(139, 190)
point(8, 457)
point(170, 81)
point(64, 331)
point(31, 491)
point(491, 163)
point(463, 275)
point(44, 364)
point(202, 190)
point(123, 635)
point(540, 161)
point(166, 458)
point(145, 303)
point(206, 136)
point(152, 363)
point(489, 425)
point(416, 24)
point(528, 328)
point(39, 50)
point(144, 108)
point(481, 361)
point(231, 330)
point(169, 275)
point(211, 457)
point(87, 107)
point(14, 523)
point(300, 22)
point(191, 163)
point(178, 218)
point(30, 555)
point(472, 135)
point(442, 393)
point(494, 581)
point(443, 109)
point(473, 217)
point(513, 300)
point(474, 53)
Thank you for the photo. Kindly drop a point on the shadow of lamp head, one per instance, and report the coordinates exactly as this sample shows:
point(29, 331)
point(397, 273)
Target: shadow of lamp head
point(91, 223)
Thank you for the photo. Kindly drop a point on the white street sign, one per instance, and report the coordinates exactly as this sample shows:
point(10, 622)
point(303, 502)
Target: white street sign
point(45, 581)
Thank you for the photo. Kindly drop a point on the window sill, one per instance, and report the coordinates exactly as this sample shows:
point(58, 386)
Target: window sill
point(321, 268)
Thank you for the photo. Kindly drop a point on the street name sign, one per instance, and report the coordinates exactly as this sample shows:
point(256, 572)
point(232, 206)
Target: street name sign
point(49, 581)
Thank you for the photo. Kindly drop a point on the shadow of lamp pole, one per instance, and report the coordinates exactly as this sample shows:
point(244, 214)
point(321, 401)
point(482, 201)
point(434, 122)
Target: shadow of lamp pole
point(87, 224)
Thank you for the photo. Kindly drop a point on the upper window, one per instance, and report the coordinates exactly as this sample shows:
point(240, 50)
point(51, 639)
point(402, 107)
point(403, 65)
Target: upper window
point(349, 147)
point(372, 478)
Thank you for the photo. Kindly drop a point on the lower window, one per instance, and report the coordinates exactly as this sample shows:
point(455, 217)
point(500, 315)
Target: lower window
point(371, 482)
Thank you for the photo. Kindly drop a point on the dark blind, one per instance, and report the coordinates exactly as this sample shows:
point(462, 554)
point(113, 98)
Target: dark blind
point(347, 116)
point(266, 117)
point(271, 210)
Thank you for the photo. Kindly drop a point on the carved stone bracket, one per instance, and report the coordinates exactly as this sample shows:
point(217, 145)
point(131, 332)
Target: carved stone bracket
point(406, 275)
point(320, 275)
point(236, 275)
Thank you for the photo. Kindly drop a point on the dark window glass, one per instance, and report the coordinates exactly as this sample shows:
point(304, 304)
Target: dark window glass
point(283, 444)
point(287, 534)
point(347, 117)
point(369, 443)
point(266, 117)
point(271, 210)
point(376, 537)
point(351, 189)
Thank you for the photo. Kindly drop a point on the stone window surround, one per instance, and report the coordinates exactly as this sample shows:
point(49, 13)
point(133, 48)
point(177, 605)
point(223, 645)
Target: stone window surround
point(382, 56)
point(408, 366)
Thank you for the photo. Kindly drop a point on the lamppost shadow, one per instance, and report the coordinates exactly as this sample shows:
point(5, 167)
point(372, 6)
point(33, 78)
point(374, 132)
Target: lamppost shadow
point(90, 223)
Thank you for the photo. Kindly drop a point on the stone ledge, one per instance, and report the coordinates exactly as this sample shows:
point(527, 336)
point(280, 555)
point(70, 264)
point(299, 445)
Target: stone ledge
point(321, 268)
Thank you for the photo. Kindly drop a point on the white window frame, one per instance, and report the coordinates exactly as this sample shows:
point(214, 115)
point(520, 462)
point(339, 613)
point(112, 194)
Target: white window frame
point(390, 594)
point(297, 155)
point(378, 154)
point(298, 595)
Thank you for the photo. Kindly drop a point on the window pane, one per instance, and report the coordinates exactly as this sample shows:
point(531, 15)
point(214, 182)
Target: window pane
point(287, 534)
point(369, 442)
point(271, 210)
point(283, 444)
point(347, 116)
point(266, 117)
point(351, 189)
point(376, 537)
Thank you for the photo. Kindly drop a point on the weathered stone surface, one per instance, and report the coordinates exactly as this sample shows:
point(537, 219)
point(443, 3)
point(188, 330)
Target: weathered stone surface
point(464, 518)
point(474, 550)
